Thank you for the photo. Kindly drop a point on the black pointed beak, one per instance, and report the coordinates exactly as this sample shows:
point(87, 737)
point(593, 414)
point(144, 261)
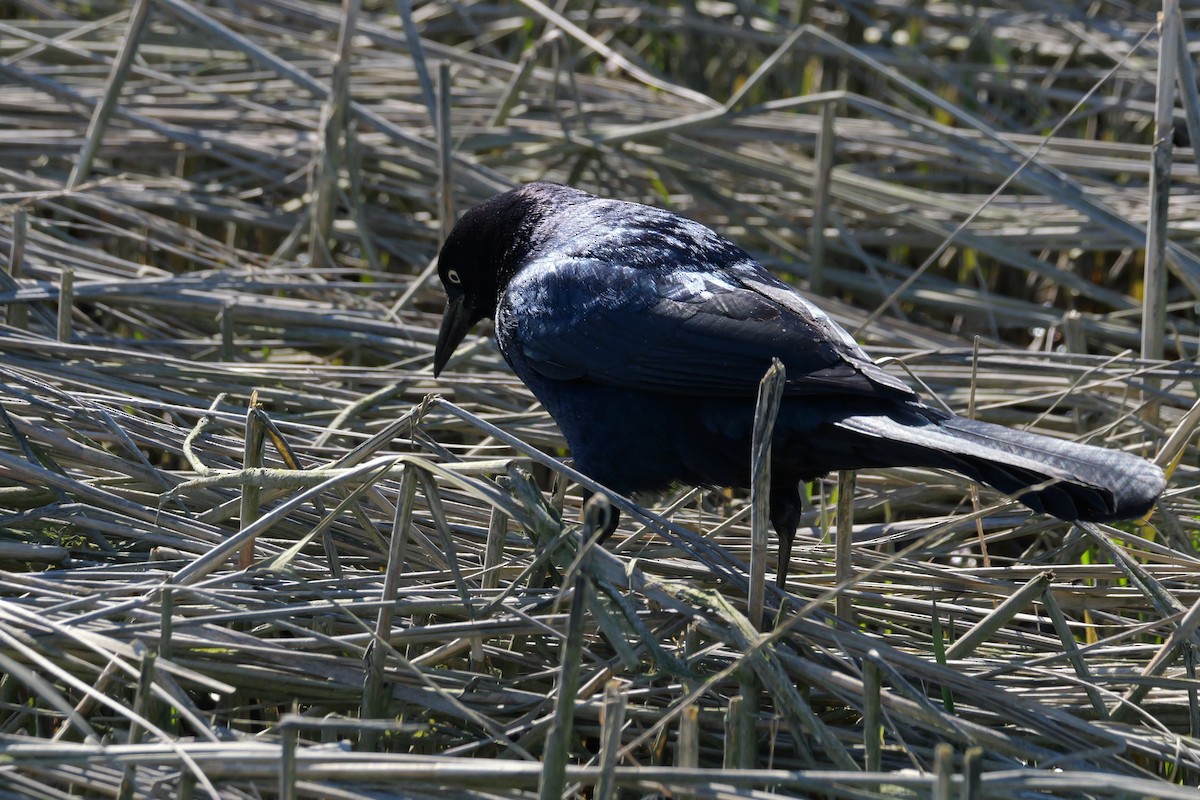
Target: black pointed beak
point(456, 321)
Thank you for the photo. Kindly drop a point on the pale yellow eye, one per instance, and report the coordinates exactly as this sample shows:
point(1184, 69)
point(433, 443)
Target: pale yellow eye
point(452, 276)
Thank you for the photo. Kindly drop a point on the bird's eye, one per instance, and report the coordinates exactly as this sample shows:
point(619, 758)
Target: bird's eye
point(452, 276)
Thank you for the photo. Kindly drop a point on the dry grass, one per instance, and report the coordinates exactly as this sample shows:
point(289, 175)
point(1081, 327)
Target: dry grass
point(245, 554)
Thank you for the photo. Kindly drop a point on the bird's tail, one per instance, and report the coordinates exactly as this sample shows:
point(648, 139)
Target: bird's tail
point(1068, 480)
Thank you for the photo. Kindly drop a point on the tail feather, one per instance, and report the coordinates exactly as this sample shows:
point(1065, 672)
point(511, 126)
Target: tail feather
point(1068, 480)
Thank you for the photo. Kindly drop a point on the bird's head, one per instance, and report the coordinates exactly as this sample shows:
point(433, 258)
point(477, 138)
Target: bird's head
point(482, 253)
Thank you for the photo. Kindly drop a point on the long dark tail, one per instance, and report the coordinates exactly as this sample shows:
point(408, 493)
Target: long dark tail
point(1071, 481)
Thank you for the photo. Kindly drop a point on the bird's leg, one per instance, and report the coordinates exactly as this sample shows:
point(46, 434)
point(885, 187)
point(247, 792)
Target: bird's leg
point(610, 524)
point(785, 519)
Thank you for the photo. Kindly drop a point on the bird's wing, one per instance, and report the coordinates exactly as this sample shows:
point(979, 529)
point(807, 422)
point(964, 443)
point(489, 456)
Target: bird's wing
point(679, 330)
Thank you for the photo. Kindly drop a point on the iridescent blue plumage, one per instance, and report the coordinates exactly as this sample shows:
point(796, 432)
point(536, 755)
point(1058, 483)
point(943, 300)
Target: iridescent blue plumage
point(645, 336)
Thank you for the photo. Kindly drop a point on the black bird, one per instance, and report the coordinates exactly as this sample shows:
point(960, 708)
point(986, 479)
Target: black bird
point(645, 336)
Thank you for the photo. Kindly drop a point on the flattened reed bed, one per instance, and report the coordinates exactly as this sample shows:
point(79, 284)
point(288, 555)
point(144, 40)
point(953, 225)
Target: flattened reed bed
point(374, 597)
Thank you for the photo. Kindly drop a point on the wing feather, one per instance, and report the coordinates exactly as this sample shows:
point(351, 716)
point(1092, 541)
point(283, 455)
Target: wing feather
point(678, 330)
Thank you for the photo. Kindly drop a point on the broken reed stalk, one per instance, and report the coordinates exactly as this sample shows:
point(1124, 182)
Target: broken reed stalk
point(252, 458)
point(18, 313)
point(844, 544)
point(66, 304)
point(821, 200)
point(989, 625)
point(943, 771)
point(1071, 650)
point(288, 735)
point(445, 143)
point(612, 723)
point(872, 713)
point(374, 699)
point(334, 141)
point(558, 739)
point(1154, 293)
point(770, 395)
point(104, 109)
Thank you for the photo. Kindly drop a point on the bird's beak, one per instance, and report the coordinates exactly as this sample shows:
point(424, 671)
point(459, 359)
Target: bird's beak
point(456, 321)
